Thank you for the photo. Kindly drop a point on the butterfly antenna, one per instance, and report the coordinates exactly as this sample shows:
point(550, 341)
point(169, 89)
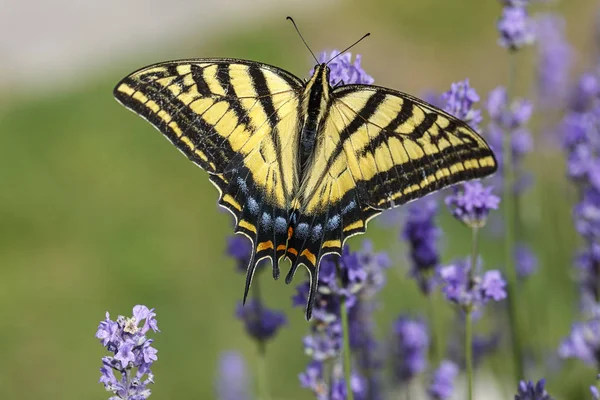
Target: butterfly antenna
point(304, 41)
point(348, 48)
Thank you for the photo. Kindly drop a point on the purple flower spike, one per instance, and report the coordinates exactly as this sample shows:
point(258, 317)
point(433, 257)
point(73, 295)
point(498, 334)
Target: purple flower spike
point(516, 28)
point(587, 89)
point(132, 352)
point(422, 234)
point(583, 343)
point(525, 261)
point(459, 102)
point(442, 385)
point(232, 382)
point(473, 204)
point(261, 322)
point(531, 391)
point(240, 249)
point(554, 60)
point(344, 70)
point(411, 341)
point(470, 295)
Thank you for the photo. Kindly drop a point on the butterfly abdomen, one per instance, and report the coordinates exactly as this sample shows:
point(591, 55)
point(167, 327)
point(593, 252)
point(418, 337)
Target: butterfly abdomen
point(315, 103)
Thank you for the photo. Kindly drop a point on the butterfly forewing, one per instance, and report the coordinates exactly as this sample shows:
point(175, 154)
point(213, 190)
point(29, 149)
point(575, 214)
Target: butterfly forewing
point(238, 120)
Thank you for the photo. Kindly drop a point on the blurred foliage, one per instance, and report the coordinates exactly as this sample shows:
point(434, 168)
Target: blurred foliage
point(100, 213)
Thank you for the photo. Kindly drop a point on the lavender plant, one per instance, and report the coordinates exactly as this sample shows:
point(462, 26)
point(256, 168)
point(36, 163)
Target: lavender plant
point(516, 29)
point(133, 354)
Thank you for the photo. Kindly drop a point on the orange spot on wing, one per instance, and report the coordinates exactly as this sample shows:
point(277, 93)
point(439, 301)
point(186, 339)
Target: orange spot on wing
point(310, 256)
point(292, 251)
point(264, 246)
point(290, 233)
point(281, 247)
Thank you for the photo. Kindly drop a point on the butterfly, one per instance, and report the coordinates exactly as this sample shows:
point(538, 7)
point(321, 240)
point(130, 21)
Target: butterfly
point(302, 165)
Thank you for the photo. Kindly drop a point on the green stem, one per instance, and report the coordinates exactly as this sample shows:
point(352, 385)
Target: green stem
point(346, 345)
point(263, 387)
point(469, 352)
point(436, 339)
point(509, 221)
point(261, 368)
point(469, 313)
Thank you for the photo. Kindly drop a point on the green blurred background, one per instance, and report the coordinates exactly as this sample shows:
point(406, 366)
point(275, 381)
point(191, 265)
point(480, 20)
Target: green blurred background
point(98, 212)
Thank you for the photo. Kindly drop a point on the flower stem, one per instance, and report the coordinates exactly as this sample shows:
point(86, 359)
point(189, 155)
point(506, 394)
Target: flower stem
point(436, 349)
point(263, 387)
point(469, 352)
point(509, 221)
point(261, 368)
point(469, 314)
point(346, 339)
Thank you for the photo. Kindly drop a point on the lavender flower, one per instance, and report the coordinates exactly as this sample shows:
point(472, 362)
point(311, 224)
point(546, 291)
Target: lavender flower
point(595, 393)
point(525, 261)
point(442, 385)
point(312, 378)
point(585, 92)
point(554, 59)
point(459, 102)
point(421, 233)
point(510, 119)
point(515, 27)
point(531, 391)
point(343, 70)
point(458, 287)
point(240, 249)
point(261, 322)
point(410, 344)
point(588, 263)
point(232, 381)
point(133, 354)
point(473, 204)
point(583, 342)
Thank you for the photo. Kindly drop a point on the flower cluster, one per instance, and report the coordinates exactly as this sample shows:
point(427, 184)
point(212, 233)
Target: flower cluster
point(351, 280)
point(531, 391)
point(343, 70)
point(410, 345)
point(261, 322)
point(442, 384)
point(472, 203)
point(459, 101)
point(422, 233)
point(133, 354)
point(581, 141)
point(510, 119)
point(515, 26)
point(468, 290)
point(554, 60)
point(583, 342)
point(313, 378)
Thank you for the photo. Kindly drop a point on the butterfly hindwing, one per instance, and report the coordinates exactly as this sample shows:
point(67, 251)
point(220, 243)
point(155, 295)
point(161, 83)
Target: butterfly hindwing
point(237, 120)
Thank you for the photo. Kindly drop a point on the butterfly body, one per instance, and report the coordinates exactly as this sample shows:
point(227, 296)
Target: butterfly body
point(302, 166)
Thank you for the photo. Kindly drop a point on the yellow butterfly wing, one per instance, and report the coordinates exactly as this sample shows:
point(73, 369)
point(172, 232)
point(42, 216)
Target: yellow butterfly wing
point(378, 149)
point(238, 120)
